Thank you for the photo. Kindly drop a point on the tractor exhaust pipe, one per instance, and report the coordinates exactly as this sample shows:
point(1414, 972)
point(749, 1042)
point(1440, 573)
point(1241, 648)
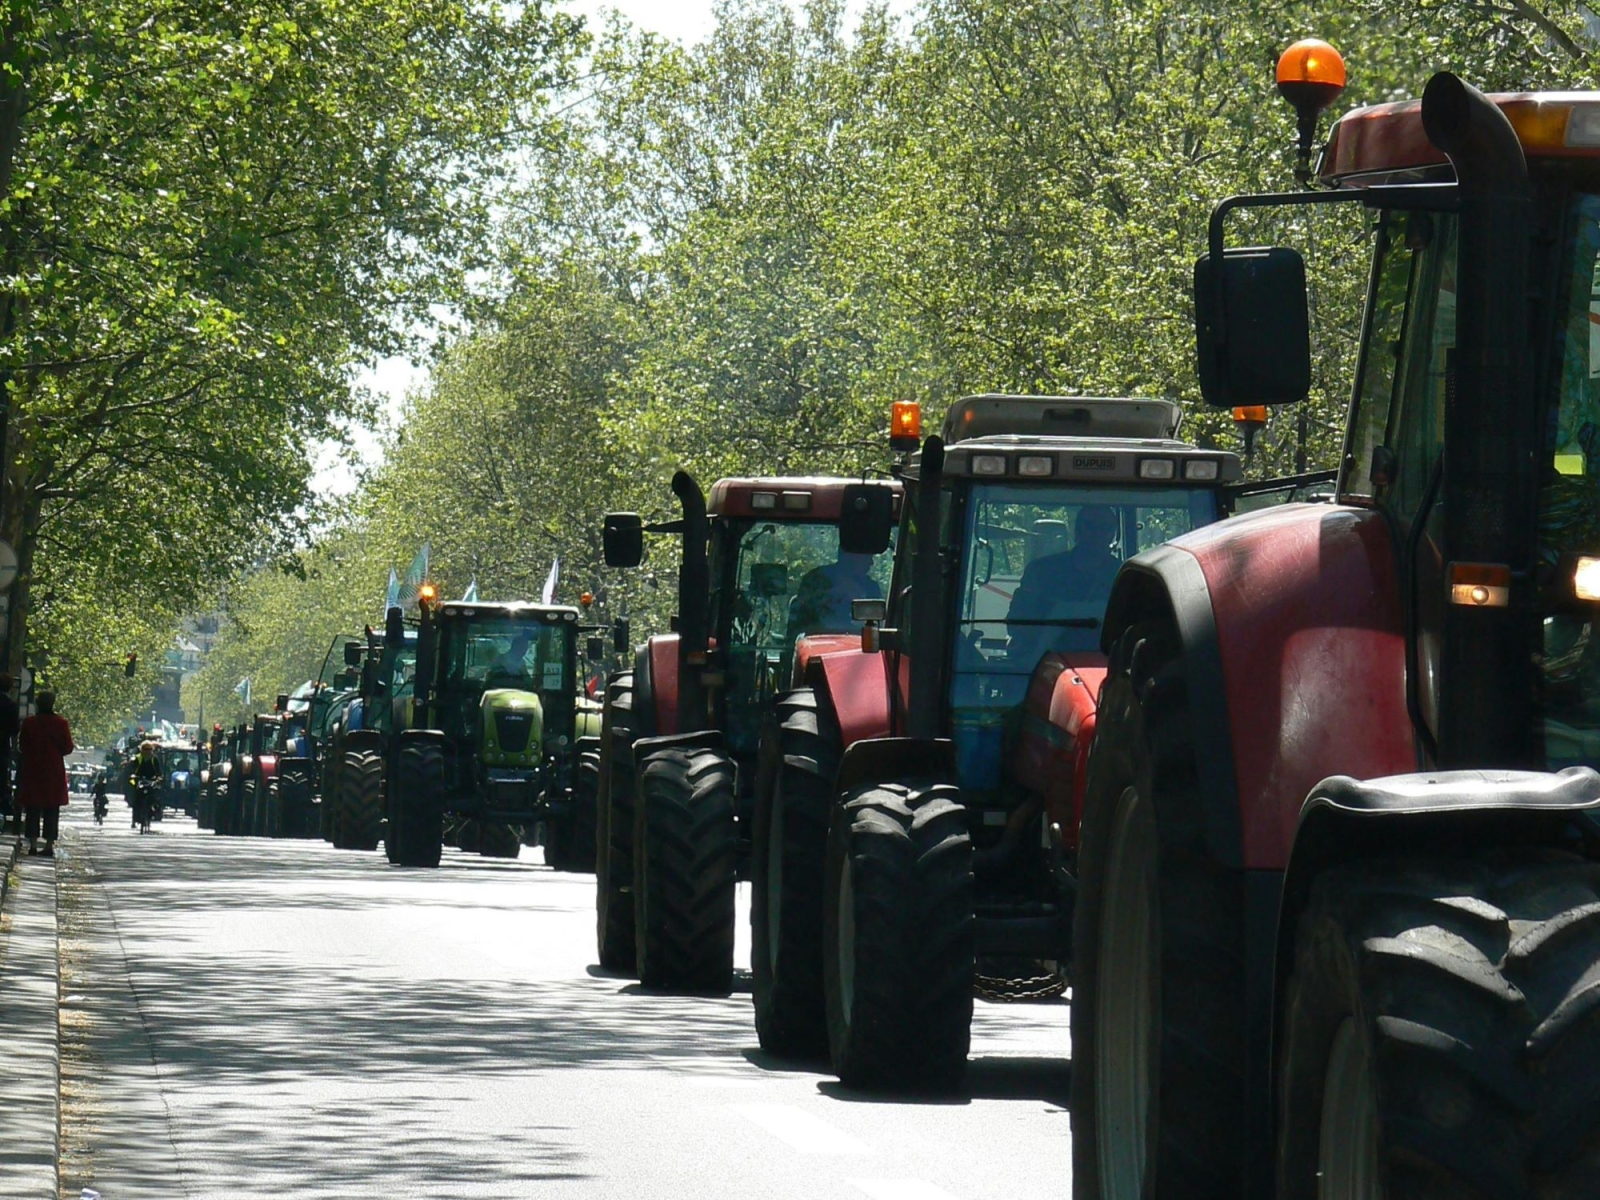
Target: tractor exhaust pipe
point(694, 599)
point(1492, 432)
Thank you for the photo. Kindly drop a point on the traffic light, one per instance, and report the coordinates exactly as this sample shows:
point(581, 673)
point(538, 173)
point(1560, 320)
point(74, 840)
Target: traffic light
point(132, 665)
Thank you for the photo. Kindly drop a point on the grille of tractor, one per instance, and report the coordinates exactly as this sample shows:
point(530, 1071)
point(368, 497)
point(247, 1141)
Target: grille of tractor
point(511, 730)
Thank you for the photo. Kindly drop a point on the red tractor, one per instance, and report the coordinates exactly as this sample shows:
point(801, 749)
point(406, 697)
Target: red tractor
point(1338, 918)
point(919, 823)
point(766, 564)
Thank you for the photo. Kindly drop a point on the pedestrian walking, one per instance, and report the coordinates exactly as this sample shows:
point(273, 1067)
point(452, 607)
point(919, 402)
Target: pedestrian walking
point(45, 742)
point(9, 718)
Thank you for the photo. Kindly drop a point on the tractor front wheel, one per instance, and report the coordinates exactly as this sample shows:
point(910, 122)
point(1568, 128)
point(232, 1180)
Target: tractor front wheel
point(570, 841)
point(898, 941)
point(685, 867)
point(787, 863)
point(614, 829)
point(498, 840)
point(1158, 1003)
point(1440, 1034)
point(358, 811)
point(416, 806)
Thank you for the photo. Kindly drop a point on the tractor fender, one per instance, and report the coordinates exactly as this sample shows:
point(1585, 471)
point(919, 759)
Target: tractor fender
point(813, 646)
point(267, 766)
point(879, 760)
point(655, 686)
point(1345, 819)
point(856, 687)
point(705, 739)
point(1293, 648)
point(1057, 730)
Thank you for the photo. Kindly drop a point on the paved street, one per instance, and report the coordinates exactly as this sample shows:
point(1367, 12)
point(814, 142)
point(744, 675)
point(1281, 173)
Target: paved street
point(275, 1018)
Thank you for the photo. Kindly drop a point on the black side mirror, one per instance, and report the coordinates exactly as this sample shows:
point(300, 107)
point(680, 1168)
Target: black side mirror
point(619, 636)
point(622, 538)
point(394, 627)
point(281, 704)
point(1253, 333)
point(866, 518)
point(594, 649)
point(352, 653)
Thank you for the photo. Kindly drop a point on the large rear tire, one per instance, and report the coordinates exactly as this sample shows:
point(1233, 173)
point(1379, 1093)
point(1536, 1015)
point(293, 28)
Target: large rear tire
point(294, 798)
point(614, 829)
point(498, 840)
point(685, 860)
point(1441, 1037)
point(898, 943)
point(1158, 1029)
point(358, 815)
point(416, 805)
point(787, 864)
point(570, 840)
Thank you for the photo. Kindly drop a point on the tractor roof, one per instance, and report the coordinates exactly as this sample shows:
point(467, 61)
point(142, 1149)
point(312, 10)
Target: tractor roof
point(1060, 416)
point(1153, 462)
point(507, 610)
point(1385, 138)
point(785, 498)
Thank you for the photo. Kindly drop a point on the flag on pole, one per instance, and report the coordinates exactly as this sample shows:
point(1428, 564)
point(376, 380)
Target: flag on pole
point(391, 598)
point(242, 690)
point(471, 596)
point(548, 596)
point(416, 576)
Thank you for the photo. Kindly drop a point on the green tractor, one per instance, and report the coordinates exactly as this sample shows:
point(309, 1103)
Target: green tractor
point(490, 746)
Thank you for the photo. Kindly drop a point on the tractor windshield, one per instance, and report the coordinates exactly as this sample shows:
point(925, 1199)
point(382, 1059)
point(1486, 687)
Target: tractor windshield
point(1569, 511)
point(1038, 563)
point(530, 655)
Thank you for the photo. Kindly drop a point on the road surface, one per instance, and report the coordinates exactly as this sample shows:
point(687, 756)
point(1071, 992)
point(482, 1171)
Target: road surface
point(244, 1017)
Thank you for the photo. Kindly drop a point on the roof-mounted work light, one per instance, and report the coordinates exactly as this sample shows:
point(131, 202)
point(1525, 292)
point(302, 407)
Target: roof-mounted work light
point(1310, 77)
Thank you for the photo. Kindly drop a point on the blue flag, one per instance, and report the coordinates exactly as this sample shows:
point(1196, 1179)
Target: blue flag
point(471, 596)
point(242, 690)
point(391, 598)
point(416, 576)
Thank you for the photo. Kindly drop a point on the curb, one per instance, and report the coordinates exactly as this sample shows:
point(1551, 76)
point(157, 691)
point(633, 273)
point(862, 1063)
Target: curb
point(30, 1007)
point(5, 875)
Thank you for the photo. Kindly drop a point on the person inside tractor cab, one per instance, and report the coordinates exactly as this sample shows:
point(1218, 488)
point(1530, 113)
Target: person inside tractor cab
point(1066, 578)
point(511, 668)
point(821, 603)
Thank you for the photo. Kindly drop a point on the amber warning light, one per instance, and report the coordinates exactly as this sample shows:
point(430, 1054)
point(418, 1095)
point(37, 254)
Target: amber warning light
point(427, 593)
point(905, 425)
point(1310, 77)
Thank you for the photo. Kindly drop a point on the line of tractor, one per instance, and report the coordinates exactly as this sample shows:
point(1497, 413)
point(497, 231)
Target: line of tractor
point(1288, 781)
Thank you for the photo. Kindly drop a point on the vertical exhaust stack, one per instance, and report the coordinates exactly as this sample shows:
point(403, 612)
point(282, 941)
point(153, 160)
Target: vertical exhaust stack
point(1491, 432)
point(694, 594)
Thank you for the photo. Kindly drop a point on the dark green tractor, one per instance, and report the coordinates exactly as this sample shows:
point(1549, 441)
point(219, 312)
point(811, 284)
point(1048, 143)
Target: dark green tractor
point(362, 729)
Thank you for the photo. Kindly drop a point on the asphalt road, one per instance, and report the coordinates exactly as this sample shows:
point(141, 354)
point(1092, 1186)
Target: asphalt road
point(243, 1017)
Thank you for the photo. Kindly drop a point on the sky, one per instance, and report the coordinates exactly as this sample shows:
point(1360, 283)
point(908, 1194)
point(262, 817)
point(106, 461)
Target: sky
point(392, 378)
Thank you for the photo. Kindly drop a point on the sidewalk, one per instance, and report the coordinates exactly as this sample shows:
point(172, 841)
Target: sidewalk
point(29, 1030)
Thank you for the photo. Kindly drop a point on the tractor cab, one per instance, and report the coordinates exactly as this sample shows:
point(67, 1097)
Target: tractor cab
point(180, 776)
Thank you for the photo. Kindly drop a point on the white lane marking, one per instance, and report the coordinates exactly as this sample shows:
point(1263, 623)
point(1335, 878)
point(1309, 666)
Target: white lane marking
point(806, 1133)
point(901, 1189)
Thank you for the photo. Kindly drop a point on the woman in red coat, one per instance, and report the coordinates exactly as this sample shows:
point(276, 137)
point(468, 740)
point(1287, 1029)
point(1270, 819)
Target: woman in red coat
point(44, 743)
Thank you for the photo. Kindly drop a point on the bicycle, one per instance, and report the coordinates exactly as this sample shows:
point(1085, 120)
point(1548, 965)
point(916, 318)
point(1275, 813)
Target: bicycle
point(144, 802)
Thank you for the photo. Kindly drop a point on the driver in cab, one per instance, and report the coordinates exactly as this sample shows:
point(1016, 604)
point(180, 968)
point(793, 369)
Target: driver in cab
point(1069, 577)
point(511, 668)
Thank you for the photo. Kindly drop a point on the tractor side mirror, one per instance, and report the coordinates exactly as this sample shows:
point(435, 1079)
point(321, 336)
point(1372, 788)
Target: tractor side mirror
point(281, 703)
point(394, 627)
point(352, 653)
point(619, 636)
point(769, 579)
point(594, 649)
point(622, 538)
point(1252, 328)
point(866, 518)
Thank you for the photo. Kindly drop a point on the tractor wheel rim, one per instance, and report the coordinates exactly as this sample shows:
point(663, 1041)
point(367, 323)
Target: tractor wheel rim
point(847, 942)
point(775, 876)
point(1347, 1148)
point(1125, 1010)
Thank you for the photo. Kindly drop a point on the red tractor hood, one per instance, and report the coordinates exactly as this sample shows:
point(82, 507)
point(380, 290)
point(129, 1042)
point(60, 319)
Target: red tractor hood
point(1058, 717)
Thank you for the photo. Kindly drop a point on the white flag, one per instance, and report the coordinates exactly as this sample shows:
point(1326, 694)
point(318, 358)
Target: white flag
point(548, 596)
point(242, 690)
point(471, 596)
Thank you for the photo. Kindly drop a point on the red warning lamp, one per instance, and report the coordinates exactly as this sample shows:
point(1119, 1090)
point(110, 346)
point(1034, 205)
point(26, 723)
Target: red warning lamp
point(1311, 75)
point(905, 426)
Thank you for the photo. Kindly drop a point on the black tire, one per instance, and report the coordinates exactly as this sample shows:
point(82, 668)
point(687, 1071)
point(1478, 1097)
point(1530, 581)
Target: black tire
point(358, 811)
point(1143, 831)
point(206, 815)
point(1462, 990)
point(614, 829)
point(898, 941)
point(249, 809)
point(569, 843)
point(685, 868)
point(416, 805)
point(294, 798)
point(788, 862)
point(498, 840)
point(469, 836)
